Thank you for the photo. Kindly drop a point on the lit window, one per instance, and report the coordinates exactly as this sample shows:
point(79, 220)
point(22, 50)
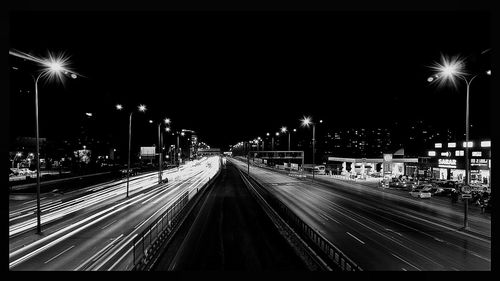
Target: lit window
point(432, 153)
point(476, 153)
point(486, 144)
point(459, 153)
point(438, 145)
point(452, 144)
point(470, 144)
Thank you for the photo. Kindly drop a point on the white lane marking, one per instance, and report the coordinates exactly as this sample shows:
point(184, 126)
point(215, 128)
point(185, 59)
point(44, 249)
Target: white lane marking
point(60, 254)
point(406, 261)
point(108, 224)
point(439, 240)
point(355, 237)
point(404, 269)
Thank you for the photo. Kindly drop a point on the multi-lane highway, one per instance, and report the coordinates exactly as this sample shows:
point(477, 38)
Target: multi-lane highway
point(382, 230)
point(91, 229)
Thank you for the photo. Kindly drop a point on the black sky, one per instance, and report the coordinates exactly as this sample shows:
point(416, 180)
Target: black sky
point(232, 76)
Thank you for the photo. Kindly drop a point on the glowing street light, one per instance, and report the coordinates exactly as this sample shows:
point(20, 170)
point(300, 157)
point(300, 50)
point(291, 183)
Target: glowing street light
point(54, 67)
point(166, 121)
point(446, 72)
point(306, 122)
point(140, 108)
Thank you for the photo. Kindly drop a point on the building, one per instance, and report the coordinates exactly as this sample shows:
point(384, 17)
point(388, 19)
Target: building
point(357, 142)
point(391, 164)
point(447, 161)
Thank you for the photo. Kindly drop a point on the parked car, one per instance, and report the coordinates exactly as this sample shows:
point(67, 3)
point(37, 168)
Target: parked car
point(422, 191)
point(384, 183)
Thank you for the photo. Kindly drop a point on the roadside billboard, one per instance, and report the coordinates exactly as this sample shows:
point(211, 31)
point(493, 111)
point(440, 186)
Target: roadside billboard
point(148, 151)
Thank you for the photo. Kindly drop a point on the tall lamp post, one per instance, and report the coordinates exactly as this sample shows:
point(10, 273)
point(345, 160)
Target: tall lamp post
point(166, 121)
point(306, 121)
point(446, 72)
point(140, 108)
point(285, 130)
point(54, 68)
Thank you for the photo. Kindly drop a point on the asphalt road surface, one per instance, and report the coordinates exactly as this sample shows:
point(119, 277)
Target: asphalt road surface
point(382, 230)
point(231, 232)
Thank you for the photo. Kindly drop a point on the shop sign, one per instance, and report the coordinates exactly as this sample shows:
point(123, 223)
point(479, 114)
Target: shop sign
point(447, 163)
point(479, 162)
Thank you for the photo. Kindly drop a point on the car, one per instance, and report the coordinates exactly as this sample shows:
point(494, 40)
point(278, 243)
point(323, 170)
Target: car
point(409, 184)
point(384, 183)
point(421, 191)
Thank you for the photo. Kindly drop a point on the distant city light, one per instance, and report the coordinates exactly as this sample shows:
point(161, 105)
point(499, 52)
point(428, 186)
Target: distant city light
point(167, 129)
point(486, 144)
point(88, 114)
point(150, 121)
point(488, 72)
point(470, 144)
point(119, 107)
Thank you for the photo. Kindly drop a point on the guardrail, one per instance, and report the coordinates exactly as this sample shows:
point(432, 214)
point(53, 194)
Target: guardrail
point(309, 234)
point(147, 244)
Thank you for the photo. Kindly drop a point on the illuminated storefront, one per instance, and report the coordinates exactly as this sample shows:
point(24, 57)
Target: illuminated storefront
point(447, 161)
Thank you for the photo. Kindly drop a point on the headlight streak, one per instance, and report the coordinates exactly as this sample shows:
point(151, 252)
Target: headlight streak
point(165, 206)
point(138, 198)
point(70, 206)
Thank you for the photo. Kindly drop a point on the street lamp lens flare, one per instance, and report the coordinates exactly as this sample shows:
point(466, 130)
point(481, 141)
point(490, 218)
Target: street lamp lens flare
point(488, 72)
point(306, 121)
point(167, 121)
point(283, 129)
point(448, 70)
point(142, 108)
point(56, 66)
point(119, 107)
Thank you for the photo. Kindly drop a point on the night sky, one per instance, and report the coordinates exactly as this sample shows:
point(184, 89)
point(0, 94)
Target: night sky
point(237, 75)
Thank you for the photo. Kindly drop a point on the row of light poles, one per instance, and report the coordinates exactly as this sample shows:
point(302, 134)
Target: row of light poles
point(57, 68)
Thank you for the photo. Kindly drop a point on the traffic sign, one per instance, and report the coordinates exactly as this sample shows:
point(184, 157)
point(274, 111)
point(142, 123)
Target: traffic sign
point(466, 196)
point(466, 189)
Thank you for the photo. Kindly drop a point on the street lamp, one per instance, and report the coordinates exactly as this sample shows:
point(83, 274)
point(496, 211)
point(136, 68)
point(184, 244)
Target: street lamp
point(306, 121)
point(53, 68)
point(166, 121)
point(140, 108)
point(446, 72)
